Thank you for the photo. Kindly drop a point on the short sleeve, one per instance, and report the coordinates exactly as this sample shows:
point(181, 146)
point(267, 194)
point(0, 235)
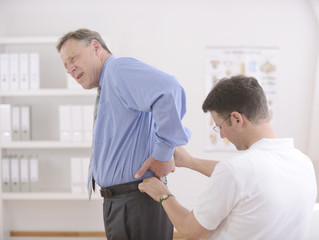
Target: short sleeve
point(218, 199)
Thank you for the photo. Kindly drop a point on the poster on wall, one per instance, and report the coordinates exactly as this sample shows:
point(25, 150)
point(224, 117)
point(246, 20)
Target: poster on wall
point(260, 63)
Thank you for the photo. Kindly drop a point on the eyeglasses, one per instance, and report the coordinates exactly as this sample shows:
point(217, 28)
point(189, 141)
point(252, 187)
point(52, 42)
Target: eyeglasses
point(217, 128)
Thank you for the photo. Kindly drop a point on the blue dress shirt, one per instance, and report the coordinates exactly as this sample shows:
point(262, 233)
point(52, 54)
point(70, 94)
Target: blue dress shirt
point(139, 115)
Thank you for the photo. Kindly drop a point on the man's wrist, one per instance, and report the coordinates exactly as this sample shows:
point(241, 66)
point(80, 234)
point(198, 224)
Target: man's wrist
point(164, 197)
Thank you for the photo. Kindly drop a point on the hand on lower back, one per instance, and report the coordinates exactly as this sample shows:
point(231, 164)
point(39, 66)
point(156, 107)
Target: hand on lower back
point(159, 168)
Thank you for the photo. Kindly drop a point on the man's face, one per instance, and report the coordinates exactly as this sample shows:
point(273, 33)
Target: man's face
point(230, 131)
point(81, 62)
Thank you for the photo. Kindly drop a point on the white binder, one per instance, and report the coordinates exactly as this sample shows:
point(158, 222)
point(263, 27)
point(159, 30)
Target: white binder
point(24, 174)
point(76, 175)
point(77, 123)
point(87, 115)
point(65, 123)
point(15, 175)
point(6, 182)
point(25, 123)
point(5, 123)
point(14, 78)
point(16, 130)
point(34, 71)
point(34, 174)
point(4, 66)
point(85, 172)
point(24, 71)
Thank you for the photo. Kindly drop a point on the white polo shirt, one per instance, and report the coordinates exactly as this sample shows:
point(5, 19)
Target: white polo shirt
point(268, 192)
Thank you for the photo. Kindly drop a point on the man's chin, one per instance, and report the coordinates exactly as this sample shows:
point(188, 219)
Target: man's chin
point(84, 86)
point(241, 148)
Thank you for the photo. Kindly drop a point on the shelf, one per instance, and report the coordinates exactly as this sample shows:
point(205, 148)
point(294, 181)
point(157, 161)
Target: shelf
point(65, 234)
point(28, 40)
point(44, 145)
point(47, 146)
point(48, 93)
point(49, 196)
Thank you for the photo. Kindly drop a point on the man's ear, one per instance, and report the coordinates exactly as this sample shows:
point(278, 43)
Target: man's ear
point(96, 46)
point(238, 117)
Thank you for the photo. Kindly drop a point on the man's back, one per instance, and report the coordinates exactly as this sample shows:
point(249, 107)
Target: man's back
point(270, 195)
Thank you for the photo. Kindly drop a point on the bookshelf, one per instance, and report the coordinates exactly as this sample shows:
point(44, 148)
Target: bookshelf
point(41, 210)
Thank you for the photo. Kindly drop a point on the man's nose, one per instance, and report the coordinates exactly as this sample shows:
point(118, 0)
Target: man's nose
point(70, 69)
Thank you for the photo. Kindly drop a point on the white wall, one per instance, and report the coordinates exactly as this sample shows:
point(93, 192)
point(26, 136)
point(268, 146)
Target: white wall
point(172, 35)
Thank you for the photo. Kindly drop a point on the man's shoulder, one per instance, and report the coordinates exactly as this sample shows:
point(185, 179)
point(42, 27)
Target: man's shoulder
point(121, 60)
point(240, 161)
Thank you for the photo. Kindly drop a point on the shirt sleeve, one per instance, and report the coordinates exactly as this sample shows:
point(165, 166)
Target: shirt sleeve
point(145, 88)
point(219, 198)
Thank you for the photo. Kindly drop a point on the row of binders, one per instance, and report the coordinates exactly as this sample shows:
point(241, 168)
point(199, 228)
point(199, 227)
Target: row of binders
point(20, 174)
point(76, 123)
point(19, 71)
point(15, 122)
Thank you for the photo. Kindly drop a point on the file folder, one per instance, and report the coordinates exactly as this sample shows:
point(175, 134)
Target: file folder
point(34, 71)
point(76, 175)
point(4, 66)
point(24, 174)
point(24, 71)
point(14, 80)
point(77, 123)
point(87, 115)
point(65, 123)
point(6, 182)
point(34, 174)
point(25, 123)
point(5, 123)
point(16, 134)
point(85, 172)
point(15, 175)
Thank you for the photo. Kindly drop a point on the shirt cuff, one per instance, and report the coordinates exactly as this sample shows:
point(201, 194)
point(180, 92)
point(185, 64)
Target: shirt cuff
point(162, 152)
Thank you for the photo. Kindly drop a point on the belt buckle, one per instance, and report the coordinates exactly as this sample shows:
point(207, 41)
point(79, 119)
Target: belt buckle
point(106, 192)
point(164, 180)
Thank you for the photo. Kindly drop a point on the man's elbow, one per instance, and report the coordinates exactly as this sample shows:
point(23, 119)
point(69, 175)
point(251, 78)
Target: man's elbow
point(193, 236)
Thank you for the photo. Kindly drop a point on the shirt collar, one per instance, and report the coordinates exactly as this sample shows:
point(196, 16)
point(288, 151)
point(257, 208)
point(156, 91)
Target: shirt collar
point(273, 143)
point(107, 61)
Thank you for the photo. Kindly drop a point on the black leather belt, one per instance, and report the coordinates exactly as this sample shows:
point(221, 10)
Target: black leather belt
point(120, 189)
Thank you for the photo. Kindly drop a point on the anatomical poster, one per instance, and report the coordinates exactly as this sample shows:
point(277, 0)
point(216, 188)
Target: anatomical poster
point(221, 62)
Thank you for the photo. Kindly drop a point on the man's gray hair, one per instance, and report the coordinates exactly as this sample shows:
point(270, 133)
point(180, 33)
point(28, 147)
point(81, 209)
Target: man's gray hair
point(84, 35)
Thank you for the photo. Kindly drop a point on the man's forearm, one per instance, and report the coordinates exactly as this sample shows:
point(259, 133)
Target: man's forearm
point(203, 166)
point(183, 220)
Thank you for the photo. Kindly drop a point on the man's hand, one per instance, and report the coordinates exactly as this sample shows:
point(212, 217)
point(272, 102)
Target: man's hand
point(159, 168)
point(183, 219)
point(182, 157)
point(153, 187)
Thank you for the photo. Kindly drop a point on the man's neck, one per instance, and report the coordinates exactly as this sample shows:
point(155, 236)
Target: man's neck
point(105, 55)
point(260, 131)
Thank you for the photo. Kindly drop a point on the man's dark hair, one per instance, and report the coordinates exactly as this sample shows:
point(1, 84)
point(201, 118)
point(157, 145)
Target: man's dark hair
point(238, 93)
point(84, 35)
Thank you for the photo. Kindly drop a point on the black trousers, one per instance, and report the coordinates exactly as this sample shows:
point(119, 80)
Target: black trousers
point(135, 216)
